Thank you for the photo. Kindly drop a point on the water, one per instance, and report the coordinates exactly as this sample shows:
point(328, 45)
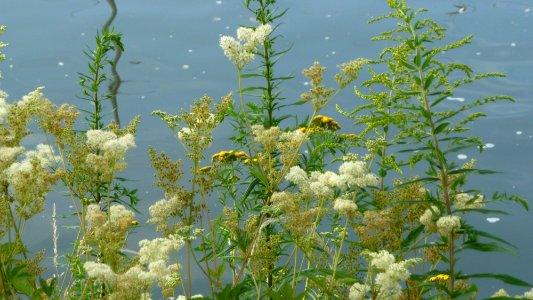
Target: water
point(172, 57)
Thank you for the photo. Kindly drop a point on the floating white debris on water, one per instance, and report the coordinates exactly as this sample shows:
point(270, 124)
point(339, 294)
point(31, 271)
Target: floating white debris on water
point(527, 10)
point(462, 156)
point(170, 36)
point(513, 44)
point(306, 83)
point(66, 75)
point(488, 145)
point(333, 52)
point(218, 2)
point(493, 220)
point(142, 97)
point(60, 64)
point(217, 19)
point(185, 67)
point(203, 72)
point(83, 34)
point(190, 50)
point(478, 53)
point(227, 27)
point(519, 132)
point(328, 16)
point(326, 38)
point(11, 66)
point(459, 99)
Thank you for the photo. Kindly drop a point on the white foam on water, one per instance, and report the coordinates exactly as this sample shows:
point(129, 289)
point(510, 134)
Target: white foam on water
point(217, 19)
point(170, 36)
point(185, 67)
point(11, 66)
point(527, 10)
point(493, 220)
point(218, 2)
point(458, 99)
point(489, 145)
point(513, 44)
point(60, 64)
point(190, 50)
point(478, 53)
point(306, 83)
point(519, 132)
point(462, 156)
point(326, 38)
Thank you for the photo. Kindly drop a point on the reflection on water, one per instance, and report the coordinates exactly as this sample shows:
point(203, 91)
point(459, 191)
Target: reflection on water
point(116, 82)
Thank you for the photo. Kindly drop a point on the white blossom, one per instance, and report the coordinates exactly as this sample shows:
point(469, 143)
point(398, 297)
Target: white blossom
point(345, 206)
point(99, 271)
point(448, 224)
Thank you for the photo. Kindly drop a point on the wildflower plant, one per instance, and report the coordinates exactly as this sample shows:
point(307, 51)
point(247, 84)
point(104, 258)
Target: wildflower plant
point(308, 210)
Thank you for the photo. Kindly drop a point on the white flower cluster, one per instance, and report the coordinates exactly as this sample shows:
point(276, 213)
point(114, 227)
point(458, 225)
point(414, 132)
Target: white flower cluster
point(465, 201)
point(388, 277)
point(109, 152)
point(119, 219)
point(110, 143)
point(241, 50)
point(162, 210)
point(429, 216)
point(8, 155)
point(30, 178)
point(448, 224)
point(4, 107)
point(356, 174)
point(345, 206)
point(322, 185)
point(42, 157)
point(153, 256)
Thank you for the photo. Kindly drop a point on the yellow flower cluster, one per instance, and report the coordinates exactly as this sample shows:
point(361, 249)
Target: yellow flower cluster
point(229, 156)
point(440, 277)
point(319, 123)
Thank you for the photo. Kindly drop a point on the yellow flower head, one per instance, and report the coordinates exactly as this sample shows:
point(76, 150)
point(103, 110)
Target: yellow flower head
point(439, 277)
point(325, 123)
point(228, 156)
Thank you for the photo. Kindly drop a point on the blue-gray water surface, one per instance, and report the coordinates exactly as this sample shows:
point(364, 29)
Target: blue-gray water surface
point(172, 57)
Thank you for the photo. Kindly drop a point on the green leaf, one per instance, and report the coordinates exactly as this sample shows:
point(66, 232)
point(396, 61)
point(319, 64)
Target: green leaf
point(502, 277)
point(412, 236)
point(441, 127)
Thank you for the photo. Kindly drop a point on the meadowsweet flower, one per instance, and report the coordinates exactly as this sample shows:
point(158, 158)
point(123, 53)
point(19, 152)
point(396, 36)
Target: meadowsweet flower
point(381, 260)
point(356, 174)
point(358, 291)
point(500, 293)
point(241, 50)
point(527, 295)
point(94, 216)
point(4, 107)
point(448, 224)
point(465, 201)
point(120, 215)
point(428, 217)
point(96, 137)
point(266, 137)
point(184, 133)
point(157, 249)
point(297, 175)
point(99, 271)
point(8, 155)
point(344, 206)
